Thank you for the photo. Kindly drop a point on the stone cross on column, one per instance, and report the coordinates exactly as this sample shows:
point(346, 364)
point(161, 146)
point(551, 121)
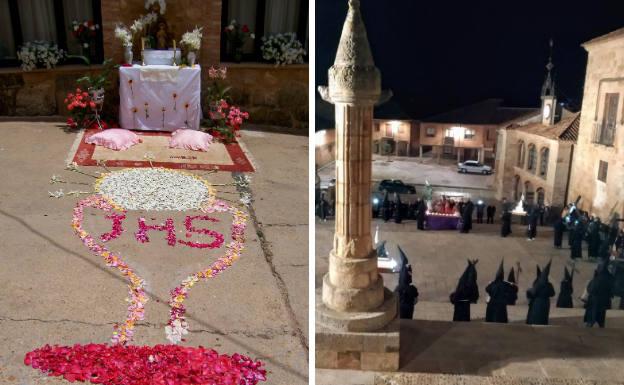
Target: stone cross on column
point(353, 295)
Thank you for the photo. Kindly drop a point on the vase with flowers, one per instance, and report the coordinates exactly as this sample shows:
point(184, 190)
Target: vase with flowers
point(237, 36)
point(123, 34)
point(192, 42)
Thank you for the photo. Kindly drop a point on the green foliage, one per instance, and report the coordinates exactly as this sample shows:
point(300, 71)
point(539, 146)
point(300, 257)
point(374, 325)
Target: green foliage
point(100, 80)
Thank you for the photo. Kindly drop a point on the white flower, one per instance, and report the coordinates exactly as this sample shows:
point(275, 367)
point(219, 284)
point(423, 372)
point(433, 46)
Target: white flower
point(151, 358)
point(175, 331)
point(122, 33)
point(56, 194)
point(253, 35)
point(246, 200)
point(56, 179)
point(192, 39)
point(86, 45)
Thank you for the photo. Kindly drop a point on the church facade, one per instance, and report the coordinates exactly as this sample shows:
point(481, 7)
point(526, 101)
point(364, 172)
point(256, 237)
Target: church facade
point(598, 166)
point(534, 155)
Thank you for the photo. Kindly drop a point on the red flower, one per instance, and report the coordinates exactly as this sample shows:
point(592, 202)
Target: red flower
point(139, 365)
point(245, 28)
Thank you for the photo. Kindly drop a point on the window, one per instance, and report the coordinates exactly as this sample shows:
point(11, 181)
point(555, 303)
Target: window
point(469, 133)
point(521, 154)
point(264, 18)
point(531, 158)
point(604, 132)
point(389, 132)
point(376, 125)
point(23, 21)
point(543, 170)
point(602, 171)
point(431, 132)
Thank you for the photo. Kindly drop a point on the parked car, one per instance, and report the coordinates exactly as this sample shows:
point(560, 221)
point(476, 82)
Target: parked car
point(396, 186)
point(391, 186)
point(473, 166)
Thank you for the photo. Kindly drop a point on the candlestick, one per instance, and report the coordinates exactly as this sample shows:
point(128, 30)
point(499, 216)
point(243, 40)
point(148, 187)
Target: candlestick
point(142, 51)
point(174, 53)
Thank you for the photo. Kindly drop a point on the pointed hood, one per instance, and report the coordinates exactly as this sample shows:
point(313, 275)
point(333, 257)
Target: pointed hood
point(500, 274)
point(511, 278)
point(542, 281)
point(539, 272)
point(381, 250)
point(566, 275)
point(404, 261)
point(468, 279)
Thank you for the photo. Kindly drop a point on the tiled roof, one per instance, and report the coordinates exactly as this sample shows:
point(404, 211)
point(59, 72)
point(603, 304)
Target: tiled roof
point(608, 36)
point(488, 111)
point(566, 129)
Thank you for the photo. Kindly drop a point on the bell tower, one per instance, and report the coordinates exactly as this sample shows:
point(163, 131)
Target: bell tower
point(549, 99)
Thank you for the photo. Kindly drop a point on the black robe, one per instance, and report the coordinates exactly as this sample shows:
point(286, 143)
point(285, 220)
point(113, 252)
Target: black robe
point(467, 217)
point(386, 212)
point(532, 228)
point(564, 299)
point(506, 226)
point(593, 239)
point(600, 292)
point(467, 292)
point(398, 210)
point(421, 212)
point(408, 296)
point(576, 249)
point(501, 294)
point(558, 232)
point(539, 299)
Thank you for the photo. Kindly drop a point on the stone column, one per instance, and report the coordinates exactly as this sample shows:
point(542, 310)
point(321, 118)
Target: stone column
point(355, 305)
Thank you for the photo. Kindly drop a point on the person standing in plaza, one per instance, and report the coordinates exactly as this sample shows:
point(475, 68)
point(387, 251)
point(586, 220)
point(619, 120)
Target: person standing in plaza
point(511, 279)
point(564, 300)
point(421, 212)
point(576, 234)
point(407, 292)
point(506, 219)
point(532, 220)
point(480, 210)
point(539, 299)
point(593, 237)
point(599, 294)
point(385, 207)
point(467, 216)
point(558, 229)
point(500, 294)
point(467, 292)
point(397, 210)
point(490, 211)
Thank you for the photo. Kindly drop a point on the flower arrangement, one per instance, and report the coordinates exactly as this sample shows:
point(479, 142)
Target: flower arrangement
point(283, 48)
point(39, 54)
point(237, 35)
point(102, 78)
point(225, 120)
point(143, 23)
point(84, 32)
point(80, 107)
point(192, 40)
point(124, 35)
point(217, 90)
point(142, 365)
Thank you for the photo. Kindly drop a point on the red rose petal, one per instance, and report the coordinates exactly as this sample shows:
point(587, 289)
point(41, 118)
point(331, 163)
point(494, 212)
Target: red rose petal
point(130, 365)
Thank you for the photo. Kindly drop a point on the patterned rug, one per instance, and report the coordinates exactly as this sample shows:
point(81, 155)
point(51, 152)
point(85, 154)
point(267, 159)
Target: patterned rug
point(224, 157)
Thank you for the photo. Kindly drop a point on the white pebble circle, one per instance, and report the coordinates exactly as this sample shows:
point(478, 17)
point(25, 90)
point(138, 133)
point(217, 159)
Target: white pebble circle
point(155, 189)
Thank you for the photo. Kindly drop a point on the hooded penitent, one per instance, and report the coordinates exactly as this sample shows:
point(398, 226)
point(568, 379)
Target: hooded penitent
point(599, 295)
point(539, 298)
point(500, 294)
point(407, 292)
point(565, 290)
point(467, 292)
point(511, 278)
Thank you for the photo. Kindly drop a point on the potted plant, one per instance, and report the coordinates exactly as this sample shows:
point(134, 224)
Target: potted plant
point(237, 35)
point(282, 49)
point(192, 42)
point(96, 84)
point(123, 34)
point(39, 54)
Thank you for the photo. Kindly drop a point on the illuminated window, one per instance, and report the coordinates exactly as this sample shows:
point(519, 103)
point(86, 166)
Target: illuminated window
point(469, 134)
point(431, 132)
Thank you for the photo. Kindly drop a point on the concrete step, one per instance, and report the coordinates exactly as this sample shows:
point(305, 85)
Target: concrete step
point(466, 353)
point(439, 311)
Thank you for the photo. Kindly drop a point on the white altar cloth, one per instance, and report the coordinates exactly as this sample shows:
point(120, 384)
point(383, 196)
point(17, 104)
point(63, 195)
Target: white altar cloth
point(158, 97)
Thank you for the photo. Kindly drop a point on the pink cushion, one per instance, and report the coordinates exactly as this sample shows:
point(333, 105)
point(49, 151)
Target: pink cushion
point(190, 140)
point(114, 138)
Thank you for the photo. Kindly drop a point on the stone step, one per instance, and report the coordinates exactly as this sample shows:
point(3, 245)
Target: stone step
point(466, 353)
point(439, 311)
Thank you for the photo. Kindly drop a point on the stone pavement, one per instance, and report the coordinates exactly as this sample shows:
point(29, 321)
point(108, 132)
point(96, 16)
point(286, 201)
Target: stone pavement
point(55, 291)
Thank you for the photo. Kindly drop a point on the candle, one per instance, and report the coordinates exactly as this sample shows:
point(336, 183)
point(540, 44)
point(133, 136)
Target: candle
point(142, 44)
point(174, 47)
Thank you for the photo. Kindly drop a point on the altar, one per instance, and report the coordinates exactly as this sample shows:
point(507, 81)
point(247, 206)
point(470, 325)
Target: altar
point(442, 221)
point(160, 97)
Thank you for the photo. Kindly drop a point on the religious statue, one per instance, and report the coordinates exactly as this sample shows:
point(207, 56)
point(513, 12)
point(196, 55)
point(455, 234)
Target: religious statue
point(161, 37)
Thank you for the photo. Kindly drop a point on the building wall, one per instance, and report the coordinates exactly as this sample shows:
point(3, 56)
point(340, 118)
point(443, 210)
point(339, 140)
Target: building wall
point(554, 183)
point(605, 73)
point(480, 139)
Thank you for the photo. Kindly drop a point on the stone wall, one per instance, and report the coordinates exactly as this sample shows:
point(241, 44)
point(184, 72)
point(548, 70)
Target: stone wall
point(605, 73)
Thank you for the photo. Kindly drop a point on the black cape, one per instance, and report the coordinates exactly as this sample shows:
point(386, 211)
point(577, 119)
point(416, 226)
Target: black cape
point(539, 299)
point(566, 289)
point(467, 292)
point(506, 225)
point(599, 294)
point(511, 278)
point(500, 293)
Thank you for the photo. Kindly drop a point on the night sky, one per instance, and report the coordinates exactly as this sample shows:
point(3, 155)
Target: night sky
point(439, 55)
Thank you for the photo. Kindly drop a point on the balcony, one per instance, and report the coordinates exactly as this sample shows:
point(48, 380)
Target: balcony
point(449, 141)
point(604, 133)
